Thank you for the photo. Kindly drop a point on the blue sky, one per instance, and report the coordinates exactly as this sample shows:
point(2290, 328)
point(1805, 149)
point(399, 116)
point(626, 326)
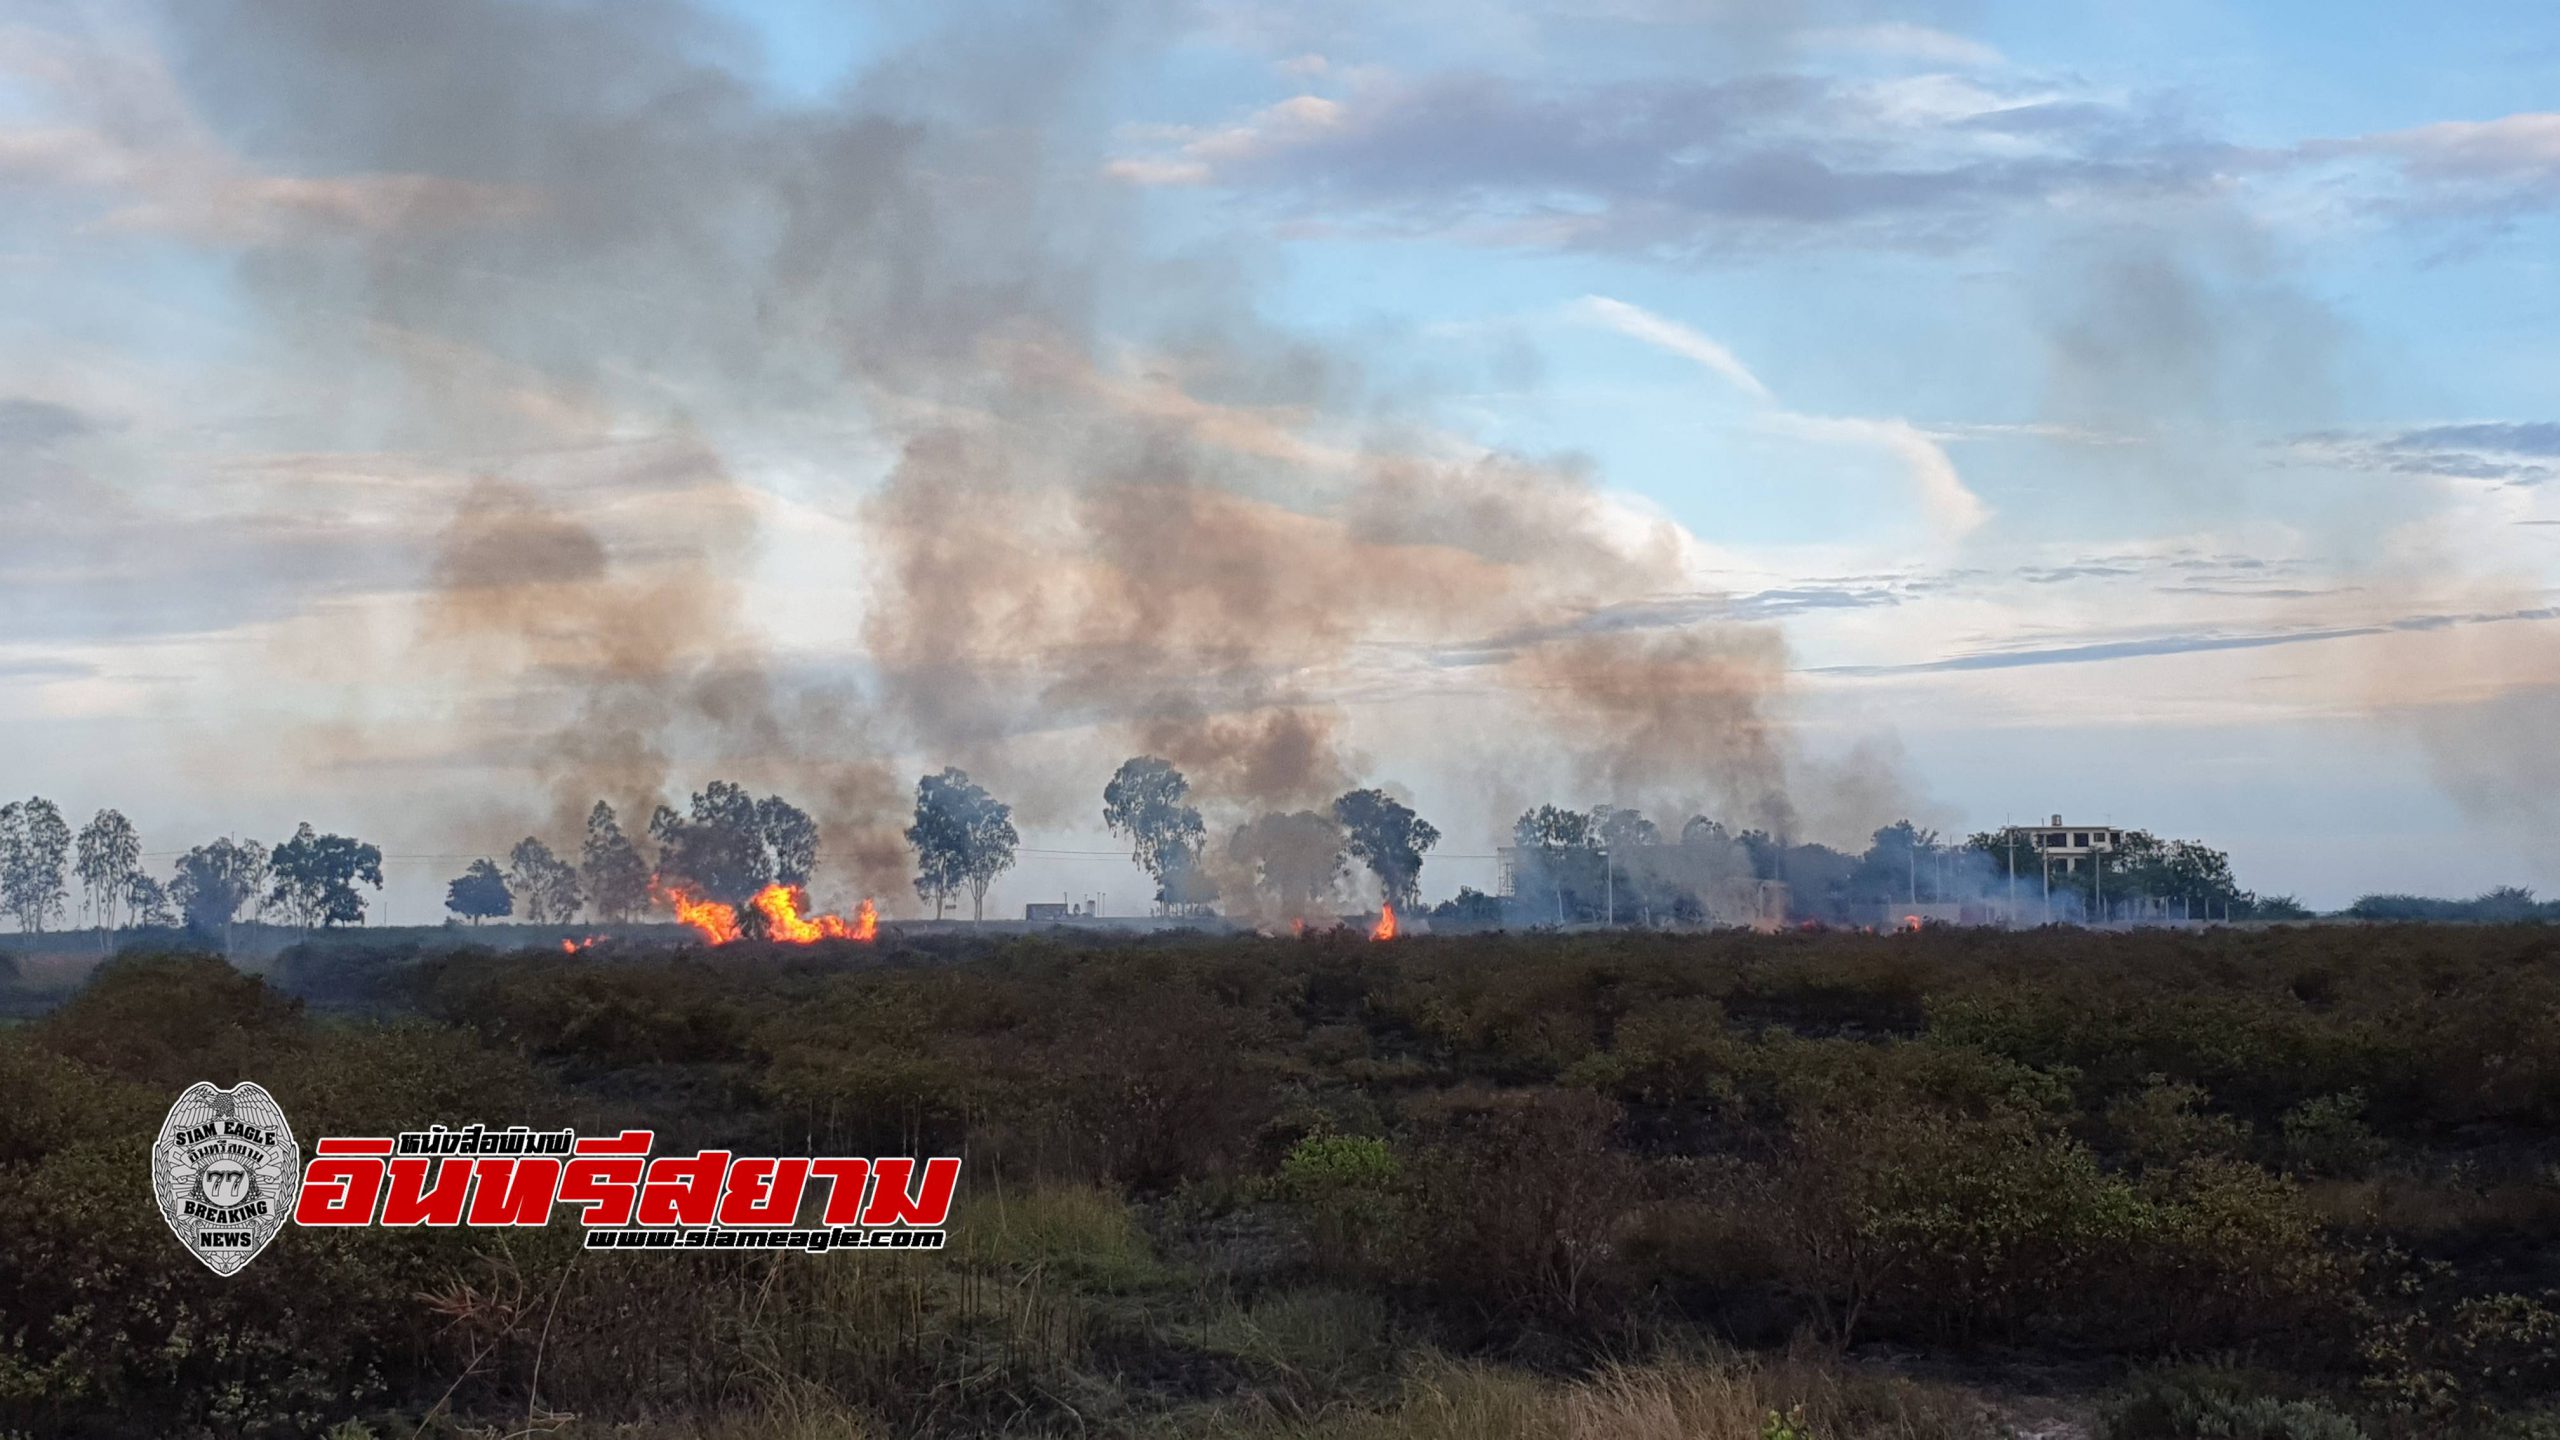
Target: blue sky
point(416, 421)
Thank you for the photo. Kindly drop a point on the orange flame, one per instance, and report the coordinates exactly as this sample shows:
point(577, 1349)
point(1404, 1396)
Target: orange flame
point(718, 923)
point(779, 905)
point(572, 947)
point(1386, 926)
point(1910, 922)
point(783, 921)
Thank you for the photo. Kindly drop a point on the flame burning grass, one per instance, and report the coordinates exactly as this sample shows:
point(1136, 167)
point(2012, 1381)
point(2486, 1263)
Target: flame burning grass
point(717, 923)
point(780, 905)
point(1385, 929)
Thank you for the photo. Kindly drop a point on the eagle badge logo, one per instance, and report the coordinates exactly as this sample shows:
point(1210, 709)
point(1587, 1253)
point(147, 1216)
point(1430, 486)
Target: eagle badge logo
point(225, 1170)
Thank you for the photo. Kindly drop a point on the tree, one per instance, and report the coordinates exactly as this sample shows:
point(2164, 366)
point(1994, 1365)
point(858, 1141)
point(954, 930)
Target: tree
point(716, 849)
point(480, 892)
point(963, 838)
point(1144, 804)
point(1619, 829)
point(1558, 845)
point(316, 875)
point(147, 903)
point(1387, 837)
point(110, 857)
point(1768, 853)
point(732, 845)
point(791, 837)
point(1548, 828)
point(1296, 858)
point(1702, 831)
point(35, 844)
point(617, 879)
point(211, 883)
point(1900, 866)
point(1472, 907)
point(548, 883)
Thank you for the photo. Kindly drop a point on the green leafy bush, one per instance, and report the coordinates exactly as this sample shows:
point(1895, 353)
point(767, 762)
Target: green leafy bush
point(2205, 1406)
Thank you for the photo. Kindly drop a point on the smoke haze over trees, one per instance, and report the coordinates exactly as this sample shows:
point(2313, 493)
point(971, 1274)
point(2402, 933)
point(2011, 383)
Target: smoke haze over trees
point(592, 400)
point(1181, 530)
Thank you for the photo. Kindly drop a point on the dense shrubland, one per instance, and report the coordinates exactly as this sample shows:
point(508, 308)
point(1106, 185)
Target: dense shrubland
point(1494, 1185)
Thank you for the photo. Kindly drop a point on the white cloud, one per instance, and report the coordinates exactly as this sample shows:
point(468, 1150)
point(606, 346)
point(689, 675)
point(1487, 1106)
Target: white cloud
point(2515, 147)
point(1902, 40)
point(1951, 504)
point(1667, 334)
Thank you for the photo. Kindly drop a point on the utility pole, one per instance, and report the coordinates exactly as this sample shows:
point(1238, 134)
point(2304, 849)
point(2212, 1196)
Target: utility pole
point(1609, 882)
point(2013, 873)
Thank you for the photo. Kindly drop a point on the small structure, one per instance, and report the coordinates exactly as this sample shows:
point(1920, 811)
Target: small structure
point(2064, 848)
point(1056, 912)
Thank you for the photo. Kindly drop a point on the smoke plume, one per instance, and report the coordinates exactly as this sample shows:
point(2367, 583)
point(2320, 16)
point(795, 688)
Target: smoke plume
point(675, 326)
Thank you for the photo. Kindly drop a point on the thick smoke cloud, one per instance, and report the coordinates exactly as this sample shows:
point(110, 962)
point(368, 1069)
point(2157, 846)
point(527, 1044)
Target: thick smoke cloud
point(1089, 492)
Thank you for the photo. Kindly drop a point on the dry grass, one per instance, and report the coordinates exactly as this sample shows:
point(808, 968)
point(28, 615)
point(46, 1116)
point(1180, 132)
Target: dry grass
point(1317, 1336)
point(1706, 1398)
point(1081, 1232)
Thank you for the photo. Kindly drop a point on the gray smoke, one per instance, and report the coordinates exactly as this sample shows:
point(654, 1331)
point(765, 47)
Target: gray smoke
point(571, 250)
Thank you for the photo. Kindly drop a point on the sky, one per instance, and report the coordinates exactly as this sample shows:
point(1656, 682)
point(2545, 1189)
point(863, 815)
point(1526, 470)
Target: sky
point(423, 421)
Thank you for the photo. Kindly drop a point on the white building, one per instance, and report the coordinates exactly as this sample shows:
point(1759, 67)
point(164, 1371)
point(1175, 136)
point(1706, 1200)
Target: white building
point(2062, 847)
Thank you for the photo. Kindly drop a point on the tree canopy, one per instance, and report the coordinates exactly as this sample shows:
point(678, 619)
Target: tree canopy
point(1385, 835)
point(1145, 803)
point(211, 883)
point(1295, 858)
point(963, 839)
point(616, 878)
point(110, 858)
point(316, 875)
point(547, 884)
point(480, 893)
point(35, 843)
point(731, 845)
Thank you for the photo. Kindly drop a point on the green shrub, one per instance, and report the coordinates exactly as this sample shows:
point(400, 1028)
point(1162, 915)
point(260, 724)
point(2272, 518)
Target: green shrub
point(2327, 1135)
point(1325, 1165)
point(2464, 1358)
point(1954, 1226)
point(1347, 1188)
point(1517, 1202)
point(2193, 1406)
point(2166, 1121)
point(171, 1020)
